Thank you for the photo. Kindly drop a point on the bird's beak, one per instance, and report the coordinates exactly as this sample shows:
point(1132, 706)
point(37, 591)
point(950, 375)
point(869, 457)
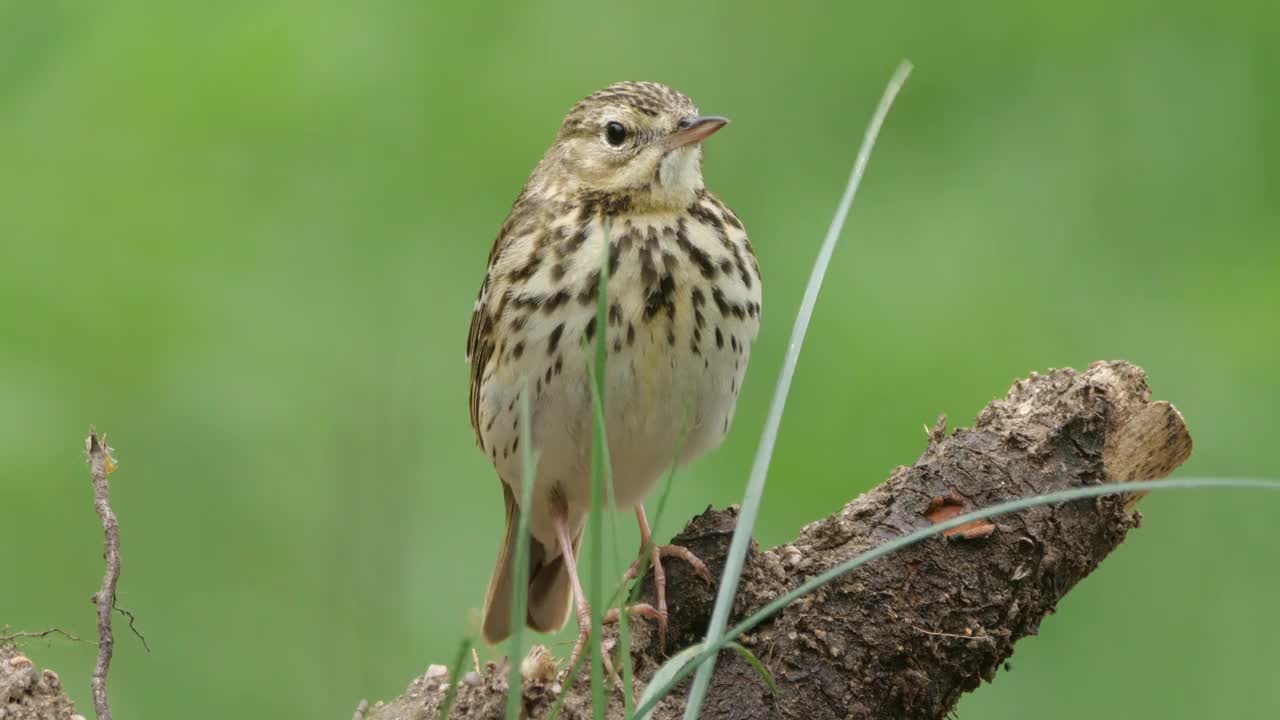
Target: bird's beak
point(695, 129)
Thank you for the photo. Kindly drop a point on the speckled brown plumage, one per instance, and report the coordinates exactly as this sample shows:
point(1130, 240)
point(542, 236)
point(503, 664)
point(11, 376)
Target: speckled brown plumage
point(685, 302)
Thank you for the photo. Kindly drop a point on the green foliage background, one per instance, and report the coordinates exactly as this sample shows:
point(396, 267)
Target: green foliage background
point(244, 238)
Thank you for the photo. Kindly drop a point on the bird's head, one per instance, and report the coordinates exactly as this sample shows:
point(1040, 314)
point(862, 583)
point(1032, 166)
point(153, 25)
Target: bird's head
point(639, 139)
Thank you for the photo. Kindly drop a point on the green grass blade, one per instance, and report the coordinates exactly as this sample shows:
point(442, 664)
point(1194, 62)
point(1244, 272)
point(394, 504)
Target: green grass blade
point(755, 663)
point(667, 483)
point(1004, 508)
point(595, 521)
point(663, 495)
point(665, 676)
point(764, 452)
point(564, 692)
point(624, 655)
point(655, 523)
point(520, 563)
point(624, 636)
point(455, 676)
point(619, 590)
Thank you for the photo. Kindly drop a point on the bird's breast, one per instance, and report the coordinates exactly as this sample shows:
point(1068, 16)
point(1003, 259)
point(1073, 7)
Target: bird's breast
point(682, 310)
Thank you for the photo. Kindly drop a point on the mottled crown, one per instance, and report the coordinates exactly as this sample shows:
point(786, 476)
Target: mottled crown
point(647, 98)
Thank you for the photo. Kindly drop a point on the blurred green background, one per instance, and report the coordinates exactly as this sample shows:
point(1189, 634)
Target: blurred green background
point(244, 239)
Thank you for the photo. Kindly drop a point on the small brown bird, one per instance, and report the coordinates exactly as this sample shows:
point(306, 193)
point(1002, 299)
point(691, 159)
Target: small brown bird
point(684, 309)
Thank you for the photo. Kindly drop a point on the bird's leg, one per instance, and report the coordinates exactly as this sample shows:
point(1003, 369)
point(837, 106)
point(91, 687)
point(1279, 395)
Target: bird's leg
point(659, 577)
point(561, 521)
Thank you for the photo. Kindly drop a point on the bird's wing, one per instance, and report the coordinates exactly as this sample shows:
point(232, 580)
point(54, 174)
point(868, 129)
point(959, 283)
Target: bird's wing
point(481, 338)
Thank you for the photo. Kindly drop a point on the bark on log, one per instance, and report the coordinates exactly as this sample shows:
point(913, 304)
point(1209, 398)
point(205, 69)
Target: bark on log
point(907, 635)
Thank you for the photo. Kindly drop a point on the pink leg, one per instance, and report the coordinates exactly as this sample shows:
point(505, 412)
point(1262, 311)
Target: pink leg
point(656, 552)
point(579, 597)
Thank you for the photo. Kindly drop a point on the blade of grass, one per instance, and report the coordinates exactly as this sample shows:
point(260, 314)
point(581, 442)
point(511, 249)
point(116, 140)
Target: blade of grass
point(1004, 508)
point(624, 652)
point(598, 449)
point(624, 636)
point(564, 692)
point(764, 452)
point(455, 676)
point(619, 590)
point(663, 496)
point(646, 547)
point(663, 677)
point(755, 663)
point(520, 563)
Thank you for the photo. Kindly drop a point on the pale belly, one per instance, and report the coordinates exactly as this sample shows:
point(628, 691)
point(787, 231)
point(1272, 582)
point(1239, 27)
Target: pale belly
point(659, 400)
point(673, 375)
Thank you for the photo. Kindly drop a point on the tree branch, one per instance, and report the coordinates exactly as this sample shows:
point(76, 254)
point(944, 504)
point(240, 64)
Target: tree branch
point(905, 636)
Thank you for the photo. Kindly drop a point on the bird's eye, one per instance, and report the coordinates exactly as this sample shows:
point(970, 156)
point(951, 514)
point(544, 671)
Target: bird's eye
point(615, 134)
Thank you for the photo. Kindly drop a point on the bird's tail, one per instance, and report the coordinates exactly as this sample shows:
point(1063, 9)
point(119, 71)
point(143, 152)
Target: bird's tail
point(550, 589)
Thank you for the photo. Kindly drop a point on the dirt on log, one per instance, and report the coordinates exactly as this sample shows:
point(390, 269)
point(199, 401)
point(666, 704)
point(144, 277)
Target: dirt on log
point(904, 636)
point(26, 693)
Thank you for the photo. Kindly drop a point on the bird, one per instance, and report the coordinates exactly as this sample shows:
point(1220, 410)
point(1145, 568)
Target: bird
point(684, 307)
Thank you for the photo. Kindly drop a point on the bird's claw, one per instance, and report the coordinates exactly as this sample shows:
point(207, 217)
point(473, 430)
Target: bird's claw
point(656, 553)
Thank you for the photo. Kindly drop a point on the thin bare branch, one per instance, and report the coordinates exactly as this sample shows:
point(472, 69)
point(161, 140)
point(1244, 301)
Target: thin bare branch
point(25, 635)
point(132, 628)
point(100, 462)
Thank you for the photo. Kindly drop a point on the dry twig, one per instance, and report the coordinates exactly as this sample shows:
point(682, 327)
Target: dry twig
point(25, 635)
point(100, 463)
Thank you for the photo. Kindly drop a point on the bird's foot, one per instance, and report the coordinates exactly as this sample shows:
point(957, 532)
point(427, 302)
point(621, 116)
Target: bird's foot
point(656, 553)
point(584, 636)
point(678, 551)
point(610, 618)
point(634, 611)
